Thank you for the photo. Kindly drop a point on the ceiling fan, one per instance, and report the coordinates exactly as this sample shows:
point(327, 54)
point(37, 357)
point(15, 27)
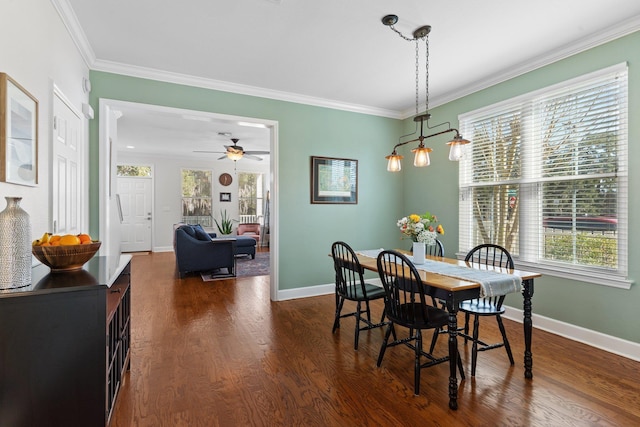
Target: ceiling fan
point(236, 152)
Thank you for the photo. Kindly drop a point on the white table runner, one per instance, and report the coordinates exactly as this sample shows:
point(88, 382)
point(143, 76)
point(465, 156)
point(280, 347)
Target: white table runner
point(492, 283)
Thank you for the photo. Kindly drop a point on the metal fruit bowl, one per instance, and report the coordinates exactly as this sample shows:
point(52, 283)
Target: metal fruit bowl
point(65, 258)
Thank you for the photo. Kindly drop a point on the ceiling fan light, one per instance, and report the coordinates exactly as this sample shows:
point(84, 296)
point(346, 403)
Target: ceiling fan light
point(232, 155)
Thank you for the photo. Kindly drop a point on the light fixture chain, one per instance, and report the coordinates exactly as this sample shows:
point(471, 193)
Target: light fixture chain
point(426, 74)
point(417, 76)
point(400, 34)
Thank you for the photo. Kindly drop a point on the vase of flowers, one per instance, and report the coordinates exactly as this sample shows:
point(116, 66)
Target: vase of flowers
point(422, 230)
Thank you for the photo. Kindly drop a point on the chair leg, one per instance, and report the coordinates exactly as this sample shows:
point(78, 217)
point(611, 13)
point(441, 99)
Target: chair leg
point(466, 327)
point(460, 367)
point(368, 311)
point(357, 334)
point(504, 338)
point(417, 362)
point(436, 332)
point(336, 322)
point(474, 349)
point(387, 334)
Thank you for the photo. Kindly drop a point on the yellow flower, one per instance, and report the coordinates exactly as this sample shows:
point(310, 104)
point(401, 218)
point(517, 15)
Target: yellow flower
point(414, 218)
point(440, 229)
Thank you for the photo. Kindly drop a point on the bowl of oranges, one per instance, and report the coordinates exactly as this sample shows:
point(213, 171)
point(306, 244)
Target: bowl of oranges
point(66, 252)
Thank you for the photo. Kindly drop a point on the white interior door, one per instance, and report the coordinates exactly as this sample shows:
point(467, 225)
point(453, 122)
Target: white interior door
point(135, 195)
point(67, 183)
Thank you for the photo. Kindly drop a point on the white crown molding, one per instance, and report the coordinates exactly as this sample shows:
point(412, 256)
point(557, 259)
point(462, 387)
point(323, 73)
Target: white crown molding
point(70, 21)
point(177, 78)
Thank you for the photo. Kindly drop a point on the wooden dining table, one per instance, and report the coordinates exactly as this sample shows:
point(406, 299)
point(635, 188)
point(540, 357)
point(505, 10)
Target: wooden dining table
point(453, 291)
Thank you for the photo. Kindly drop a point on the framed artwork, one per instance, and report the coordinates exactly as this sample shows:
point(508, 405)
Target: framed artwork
point(334, 180)
point(18, 133)
point(225, 197)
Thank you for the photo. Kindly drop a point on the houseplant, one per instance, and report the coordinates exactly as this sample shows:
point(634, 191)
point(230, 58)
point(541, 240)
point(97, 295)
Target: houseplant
point(225, 226)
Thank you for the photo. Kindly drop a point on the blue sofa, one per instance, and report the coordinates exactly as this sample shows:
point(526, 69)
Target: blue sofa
point(197, 251)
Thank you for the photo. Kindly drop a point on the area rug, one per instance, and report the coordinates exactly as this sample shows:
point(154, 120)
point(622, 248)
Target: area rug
point(245, 267)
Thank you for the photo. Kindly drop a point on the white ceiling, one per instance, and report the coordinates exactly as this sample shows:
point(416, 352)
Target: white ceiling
point(337, 52)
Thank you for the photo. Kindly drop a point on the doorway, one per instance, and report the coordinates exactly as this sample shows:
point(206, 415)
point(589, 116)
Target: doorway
point(108, 155)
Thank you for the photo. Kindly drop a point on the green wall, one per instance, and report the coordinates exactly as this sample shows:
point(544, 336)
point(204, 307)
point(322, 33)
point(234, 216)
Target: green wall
point(611, 311)
point(306, 231)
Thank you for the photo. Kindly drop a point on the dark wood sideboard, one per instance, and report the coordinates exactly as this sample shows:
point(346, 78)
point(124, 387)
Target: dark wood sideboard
point(64, 345)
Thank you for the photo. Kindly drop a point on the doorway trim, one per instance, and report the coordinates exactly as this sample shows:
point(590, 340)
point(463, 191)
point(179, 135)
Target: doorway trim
point(106, 164)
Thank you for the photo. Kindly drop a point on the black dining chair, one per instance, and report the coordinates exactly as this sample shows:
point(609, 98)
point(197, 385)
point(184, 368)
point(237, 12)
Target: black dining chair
point(351, 286)
point(406, 305)
point(491, 255)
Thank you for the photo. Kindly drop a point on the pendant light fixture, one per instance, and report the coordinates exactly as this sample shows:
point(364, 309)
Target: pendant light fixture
point(421, 152)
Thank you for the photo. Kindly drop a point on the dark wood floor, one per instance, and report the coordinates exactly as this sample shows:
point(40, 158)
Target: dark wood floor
point(222, 354)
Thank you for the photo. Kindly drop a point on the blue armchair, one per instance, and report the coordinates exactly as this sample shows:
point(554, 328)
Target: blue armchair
point(196, 251)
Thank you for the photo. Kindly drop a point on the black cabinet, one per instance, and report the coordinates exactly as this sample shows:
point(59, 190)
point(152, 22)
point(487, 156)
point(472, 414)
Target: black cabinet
point(64, 345)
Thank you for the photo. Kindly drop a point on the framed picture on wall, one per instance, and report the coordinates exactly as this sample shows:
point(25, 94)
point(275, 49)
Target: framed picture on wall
point(225, 197)
point(334, 180)
point(18, 133)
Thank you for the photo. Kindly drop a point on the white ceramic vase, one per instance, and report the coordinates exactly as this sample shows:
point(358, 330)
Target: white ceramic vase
point(15, 245)
point(418, 252)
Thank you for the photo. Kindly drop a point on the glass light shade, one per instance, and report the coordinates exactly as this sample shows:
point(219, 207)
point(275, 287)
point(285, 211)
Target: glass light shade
point(421, 158)
point(394, 164)
point(455, 152)
point(234, 156)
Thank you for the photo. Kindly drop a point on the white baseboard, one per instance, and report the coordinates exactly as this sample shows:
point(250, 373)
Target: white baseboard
point(599, 340)
point(619, 346)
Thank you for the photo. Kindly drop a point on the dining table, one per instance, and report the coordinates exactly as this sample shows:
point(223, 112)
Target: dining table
point(453, 289)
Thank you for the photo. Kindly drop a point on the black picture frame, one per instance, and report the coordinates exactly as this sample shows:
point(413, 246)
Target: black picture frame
point(334, 180)
point(225, 197)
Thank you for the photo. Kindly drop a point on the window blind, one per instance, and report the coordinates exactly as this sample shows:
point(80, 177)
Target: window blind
point(545, 176)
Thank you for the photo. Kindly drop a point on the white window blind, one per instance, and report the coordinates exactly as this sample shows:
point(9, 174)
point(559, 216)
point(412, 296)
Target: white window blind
point(545, 176)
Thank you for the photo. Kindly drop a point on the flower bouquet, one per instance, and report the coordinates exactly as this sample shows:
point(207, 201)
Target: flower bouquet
point(421, 228)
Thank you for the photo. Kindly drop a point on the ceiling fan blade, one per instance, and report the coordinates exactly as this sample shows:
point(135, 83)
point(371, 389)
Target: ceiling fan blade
point(223, 157)
point(257, 152)
point(204, 151)
point(249, 156)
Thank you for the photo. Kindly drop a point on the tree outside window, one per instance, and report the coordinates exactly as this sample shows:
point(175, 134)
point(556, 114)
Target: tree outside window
point(197, 197)
point(251, 197)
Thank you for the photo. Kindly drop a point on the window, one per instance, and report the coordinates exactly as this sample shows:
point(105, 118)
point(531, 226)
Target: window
point(250, 197)
point(546, 177)
point(133, 170)
point(196, 197)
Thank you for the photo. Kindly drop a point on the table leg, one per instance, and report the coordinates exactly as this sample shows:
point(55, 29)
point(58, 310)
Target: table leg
point(527, 293)
point(452, 308)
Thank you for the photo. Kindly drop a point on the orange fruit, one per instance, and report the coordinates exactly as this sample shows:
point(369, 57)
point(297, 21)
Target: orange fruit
point(84, 238)
point(69, 239)
point(54, 238)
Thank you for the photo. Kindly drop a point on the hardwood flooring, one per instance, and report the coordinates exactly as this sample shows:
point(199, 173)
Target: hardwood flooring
point(222, 354)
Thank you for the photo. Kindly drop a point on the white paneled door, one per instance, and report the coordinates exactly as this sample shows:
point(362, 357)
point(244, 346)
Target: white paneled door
point(68, 186)
point(135, 201)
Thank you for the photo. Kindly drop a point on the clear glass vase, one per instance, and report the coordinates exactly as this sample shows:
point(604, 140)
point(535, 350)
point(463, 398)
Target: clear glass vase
point(15, 245)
